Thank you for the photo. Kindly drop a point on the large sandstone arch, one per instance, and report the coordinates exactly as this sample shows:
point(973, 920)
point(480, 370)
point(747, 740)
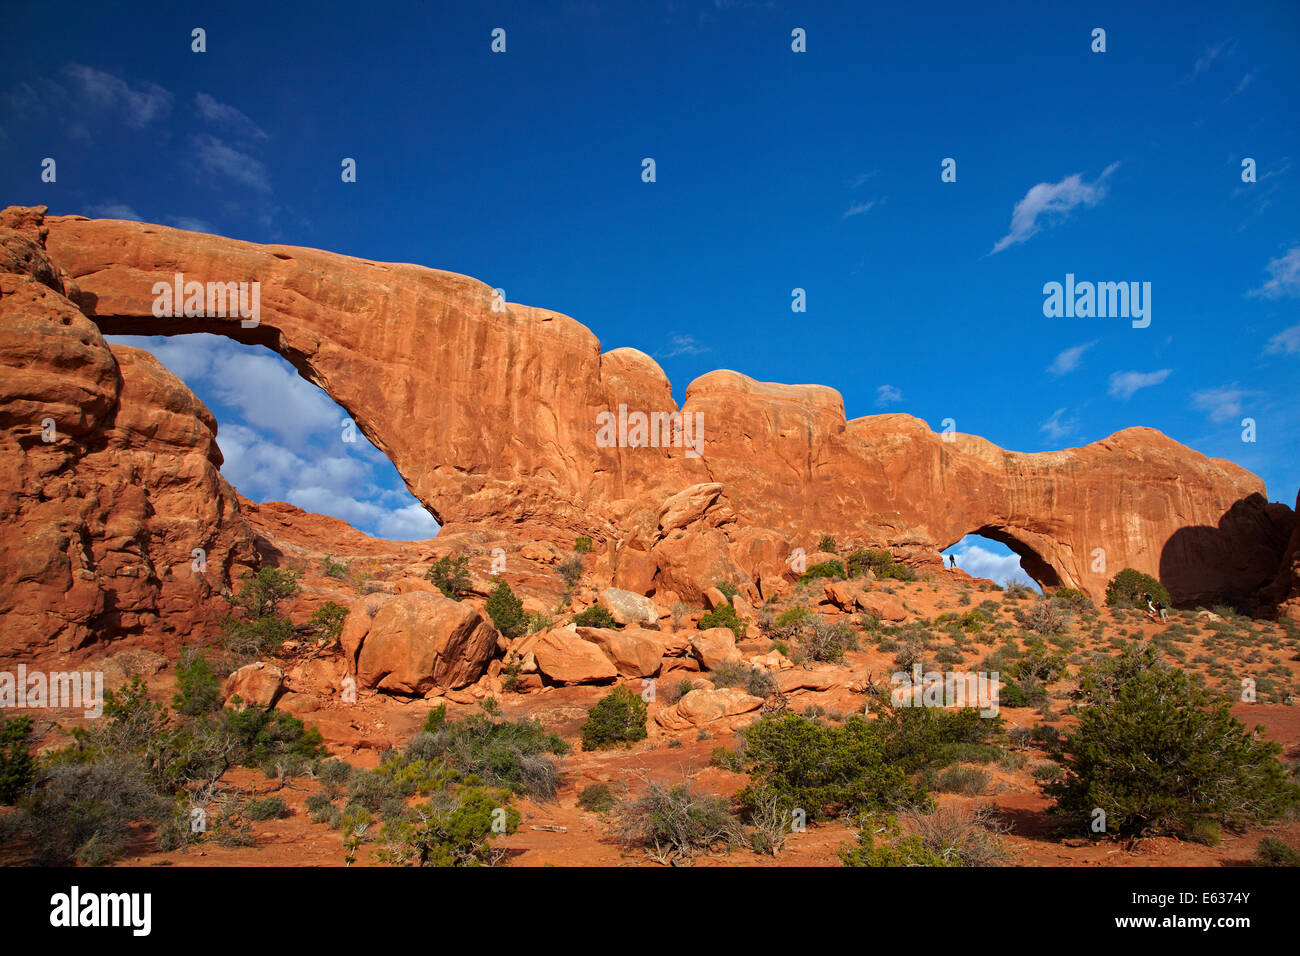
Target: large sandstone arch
point(489, 416)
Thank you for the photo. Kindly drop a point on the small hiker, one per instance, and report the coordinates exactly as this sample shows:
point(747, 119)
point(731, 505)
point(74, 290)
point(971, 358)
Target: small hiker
point(1164, 612)
point(1151, 604)
point(952, 560)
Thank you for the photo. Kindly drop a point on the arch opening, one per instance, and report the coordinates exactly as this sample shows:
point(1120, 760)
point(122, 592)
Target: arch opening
point(994, 553)
point(284, 438)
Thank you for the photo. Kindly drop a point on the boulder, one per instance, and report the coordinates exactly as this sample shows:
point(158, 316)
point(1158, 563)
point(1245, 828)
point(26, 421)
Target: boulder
point(629, 608)
point(714, 647)
point(700, 707)
point(418, 641)
point(256, 685)
point(635, 652)
point(565, 658)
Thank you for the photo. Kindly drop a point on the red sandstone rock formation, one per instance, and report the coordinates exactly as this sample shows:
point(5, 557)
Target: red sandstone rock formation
point(491, 418)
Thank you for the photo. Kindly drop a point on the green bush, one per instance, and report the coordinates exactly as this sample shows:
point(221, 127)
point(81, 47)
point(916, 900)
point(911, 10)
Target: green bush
point(755, 681)
point(823, 769)
point(827, 569)
point(268, 808)
point(514, 755)
point(582, 544)
point(617, 718)
point(264, 735)
point(256, 627)
point(571, 570)
point(198, 689)
point(456, 829)
point(1273, 852)
point(334, 569)
point(1127, 587)
point(1157, 753)
point(326, 622)
point(829, 544)
point(895, 850)
point(595, 616)
point(506, 611)
point(597, 798)
point(724, 615)
point(17, 768)
point(450, 575)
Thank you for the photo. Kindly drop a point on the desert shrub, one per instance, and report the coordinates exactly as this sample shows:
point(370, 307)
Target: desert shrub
point(326, 622)
point(771, 818)
point(268, 808)
point(82, 813)
point(582, 544)
point(506, 610)
point(828, 642)
point(255, 627)
point(880, 563)
point(756, 681)
point(676, 823)
point(965, 836)
point(1038, 664)
point(966, 780)
point(334, 569)
point(514, 755)
point(595, 616)
point(724, 615)
point(617, 718)
point(1157, 753)
point(827, 569)
point(198, 689)
point(1074, 599)
point(450, 575)
point(1273, 852)
point(820, 768)
point(1126, 589)
point(264, 735)
point(17, 767)
point(1015, 591)
point(914, 738)
point(727, 589)
point(828, 544)
point(537, 621)
point(1014, 694)
point(453, 829)
point(1046, 617)
point(597, 798)
point(571, 570)
point(895, 848)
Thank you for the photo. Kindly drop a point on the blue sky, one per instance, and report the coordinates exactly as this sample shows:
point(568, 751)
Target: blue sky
point(775, 170)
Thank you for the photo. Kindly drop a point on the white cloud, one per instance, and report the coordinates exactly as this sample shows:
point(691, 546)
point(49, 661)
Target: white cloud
point(222, 161)
point(858, 208)
point(681, 345)
point(190, 223)
point(888, 395)
point(1284, 277)
point(114, 210)
point(1068, 360)
point(982, 563)
point(231, 119)
point(1124, 384)
point(1058, 427)
point(107, 94)
point(1216, 51)
point(1287, 341)
point(1221, 404)
point(1052, 202)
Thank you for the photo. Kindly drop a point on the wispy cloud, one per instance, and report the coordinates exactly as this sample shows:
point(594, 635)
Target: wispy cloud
point(1068, 360)
point(1286, 342)
point(1058, 426)
point(190, 223)
point(858, 208)
point(1241, 87)
point(221, 161)
point(1052, 203)
point(860, 179)
point(888, 395)
point(227, 117)
point(1215, 52)
point(681, 345)
point(1223, 403)
point(1283, 277)
point(1124, 384)
point(138, 105)
point(113, 209)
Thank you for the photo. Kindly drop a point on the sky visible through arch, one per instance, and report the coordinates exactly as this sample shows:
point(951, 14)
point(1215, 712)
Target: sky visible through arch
point(775, 170)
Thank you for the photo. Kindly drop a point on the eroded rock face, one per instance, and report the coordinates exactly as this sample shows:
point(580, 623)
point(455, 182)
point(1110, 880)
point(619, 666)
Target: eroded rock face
point(506, 434)
point(116, 518)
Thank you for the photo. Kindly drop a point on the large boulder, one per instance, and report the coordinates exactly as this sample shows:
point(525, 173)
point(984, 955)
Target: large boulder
point(635, 652)
point(417, 641)
point(256, 685)
point(714, 646)
point(699, 707)
point(565, 658)
point(629, 608)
